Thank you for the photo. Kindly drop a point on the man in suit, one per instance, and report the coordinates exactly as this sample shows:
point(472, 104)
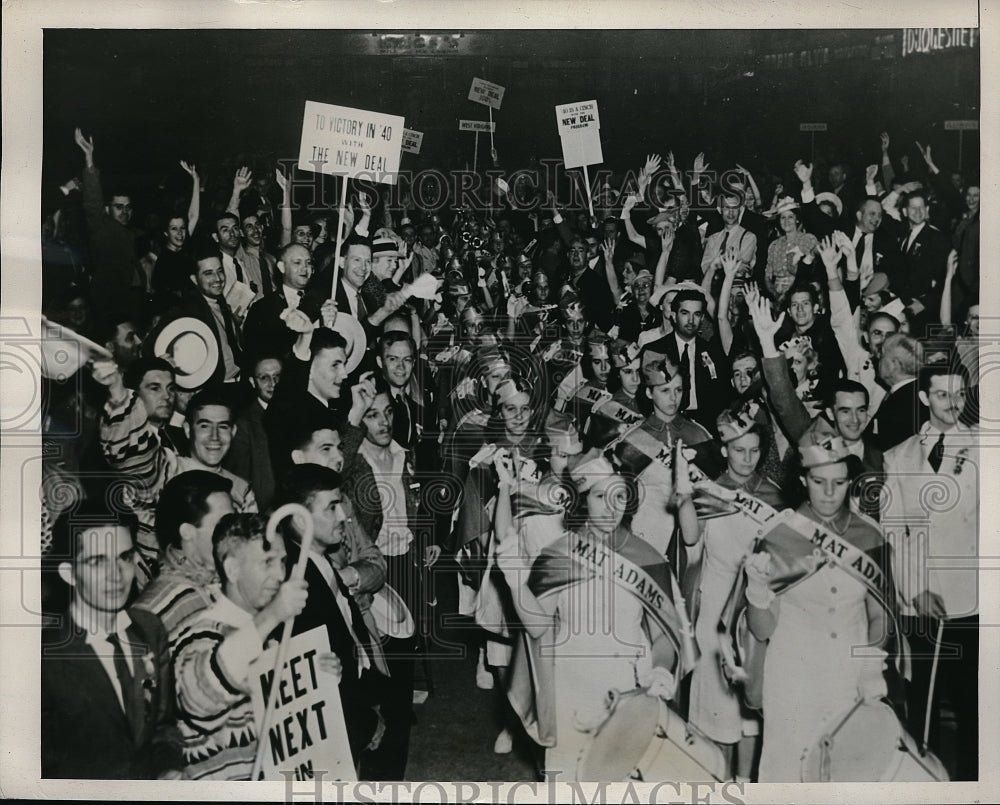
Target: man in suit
point(310, 388)
point(933, 594)
point(396, 359)
point(356, 267)
point(701, 362)
point(923, 258)
point(106, 688)
point(900, 415)
point(249, 454)
point(205, 301)
point(332, 603)
point(264, 329)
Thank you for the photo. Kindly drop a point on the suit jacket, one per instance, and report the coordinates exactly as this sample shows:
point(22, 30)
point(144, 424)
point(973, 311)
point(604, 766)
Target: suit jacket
point(920, 270)
point(264, 331)
point(899, 416)
point(321, 609)
point(923, 529)
point(85, 732)
point(249, 454)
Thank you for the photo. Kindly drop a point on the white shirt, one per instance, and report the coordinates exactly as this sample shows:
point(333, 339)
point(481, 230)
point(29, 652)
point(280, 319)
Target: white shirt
point(327, 571)
point(292, 297)
point(97, 639)
point(913, 235)
point(352, 298)
point(692, 348)
point(867, 265)
point(395, 537)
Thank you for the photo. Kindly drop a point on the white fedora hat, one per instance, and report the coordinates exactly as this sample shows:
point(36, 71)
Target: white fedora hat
point(190, 345)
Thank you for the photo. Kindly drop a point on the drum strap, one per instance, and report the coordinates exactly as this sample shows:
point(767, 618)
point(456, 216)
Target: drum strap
point(661, 598)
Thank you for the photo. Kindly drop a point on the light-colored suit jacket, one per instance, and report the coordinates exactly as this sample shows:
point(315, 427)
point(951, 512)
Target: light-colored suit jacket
point(932, 519)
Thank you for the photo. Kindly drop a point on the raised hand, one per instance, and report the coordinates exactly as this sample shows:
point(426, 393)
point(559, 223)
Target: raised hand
point(760, 314)
point(190, 170)
point(87, 146)
point(630, 201)
point(870, 173)
point(328, 313)
point(829, 251)
point(296, 321)
point(671, 165)
point(652, 165)
point(884, 141)
point(925, 153)
point(364, 204)
point(730, 262)
point(241, 181)
point(282, 180)
point(952, 265)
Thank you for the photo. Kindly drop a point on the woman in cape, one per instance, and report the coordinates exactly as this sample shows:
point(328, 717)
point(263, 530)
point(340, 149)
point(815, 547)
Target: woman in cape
point(715, 706)
point(591, 633)
point(815, 615)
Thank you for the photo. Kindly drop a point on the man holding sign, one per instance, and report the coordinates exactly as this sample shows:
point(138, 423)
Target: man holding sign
point(212, 657)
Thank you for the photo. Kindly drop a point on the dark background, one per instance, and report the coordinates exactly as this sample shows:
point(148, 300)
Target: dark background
point(224, 97)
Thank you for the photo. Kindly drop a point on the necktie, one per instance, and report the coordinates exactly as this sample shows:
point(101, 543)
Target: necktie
point(722, 248)
point(227, 318)
point(121, 669)
point(401, 410)
point(686, 369)
point(937, 454)
point(859, 250)
point(265, 272)
point(361, 632)
point(239, 269)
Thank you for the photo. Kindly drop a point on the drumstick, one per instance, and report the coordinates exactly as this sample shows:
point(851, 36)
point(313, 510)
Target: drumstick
point(297, 573)
point(930, 693)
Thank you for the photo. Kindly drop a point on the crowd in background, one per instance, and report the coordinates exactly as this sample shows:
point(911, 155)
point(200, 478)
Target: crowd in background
point(594, 376)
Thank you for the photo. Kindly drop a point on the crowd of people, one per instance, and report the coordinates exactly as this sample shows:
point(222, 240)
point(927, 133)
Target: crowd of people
point(669, 444)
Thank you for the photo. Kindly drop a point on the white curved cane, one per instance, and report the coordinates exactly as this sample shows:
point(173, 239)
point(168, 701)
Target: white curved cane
point(288, 510)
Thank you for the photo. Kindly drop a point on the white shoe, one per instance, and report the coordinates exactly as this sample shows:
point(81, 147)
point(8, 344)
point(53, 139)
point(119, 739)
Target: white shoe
point(504, 743)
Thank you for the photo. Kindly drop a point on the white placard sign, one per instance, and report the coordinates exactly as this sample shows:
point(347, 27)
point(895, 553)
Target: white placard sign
point(581, 148)
point(306, 733)
point(812, 126)
point(576, 116)
point(961, 125)
point(412, 140)
point(486, 93)
point(350, 142)
point(476, 125)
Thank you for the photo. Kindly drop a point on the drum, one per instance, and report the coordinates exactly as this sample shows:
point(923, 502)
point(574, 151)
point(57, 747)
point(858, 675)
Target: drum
point(868, 744)
point(643, 739)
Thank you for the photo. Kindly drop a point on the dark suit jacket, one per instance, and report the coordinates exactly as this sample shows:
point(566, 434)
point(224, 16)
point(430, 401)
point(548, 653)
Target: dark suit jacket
point(263, 331)
point(899, 417)
point(919, 272)
point(322, 610)
point(85, 732)
point(249, 454)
